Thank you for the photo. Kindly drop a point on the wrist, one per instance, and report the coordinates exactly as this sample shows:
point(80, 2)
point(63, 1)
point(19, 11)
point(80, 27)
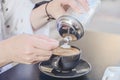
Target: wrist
point(50, 8)
point(55, 9)
point(50, 17)
point(38, 17)
point(4, 55)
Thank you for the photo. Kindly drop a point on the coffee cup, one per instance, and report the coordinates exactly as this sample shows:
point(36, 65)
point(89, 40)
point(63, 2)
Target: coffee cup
point(65, 59)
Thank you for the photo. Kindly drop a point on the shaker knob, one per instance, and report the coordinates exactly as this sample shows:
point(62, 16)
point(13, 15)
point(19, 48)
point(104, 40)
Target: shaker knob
point(69, 26)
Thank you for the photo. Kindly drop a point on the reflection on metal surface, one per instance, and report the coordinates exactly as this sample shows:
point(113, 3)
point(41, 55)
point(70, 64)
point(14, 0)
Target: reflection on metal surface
point(70, 26)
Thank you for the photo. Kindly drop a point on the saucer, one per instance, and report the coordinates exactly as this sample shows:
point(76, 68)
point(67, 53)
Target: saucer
point(81, 69)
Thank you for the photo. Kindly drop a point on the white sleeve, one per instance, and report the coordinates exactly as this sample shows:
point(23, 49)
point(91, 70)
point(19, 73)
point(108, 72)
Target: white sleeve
point(17, 16)
point(1, 21)
point(23, 17)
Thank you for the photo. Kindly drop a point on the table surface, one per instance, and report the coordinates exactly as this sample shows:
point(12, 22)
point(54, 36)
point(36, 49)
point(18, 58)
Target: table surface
point(101, 50)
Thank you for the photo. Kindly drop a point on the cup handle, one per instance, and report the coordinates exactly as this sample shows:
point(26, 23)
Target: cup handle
point(79, 57)
point(55, 62)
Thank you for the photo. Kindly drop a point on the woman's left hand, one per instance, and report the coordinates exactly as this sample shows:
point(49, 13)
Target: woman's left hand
point(75, 4)
point(56, 8)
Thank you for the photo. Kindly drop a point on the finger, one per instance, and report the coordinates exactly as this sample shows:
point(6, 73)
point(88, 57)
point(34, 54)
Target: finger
point(74, 5)
point(45, 38)
point(37, 56)
point(84, 3)
point(45, 45)
point(42, 53)
point(78, 6)
point(42, 36)
point(25, 62)
point(39, 59)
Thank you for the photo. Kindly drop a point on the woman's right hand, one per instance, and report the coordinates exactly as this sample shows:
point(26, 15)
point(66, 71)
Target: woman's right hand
point(27, 48)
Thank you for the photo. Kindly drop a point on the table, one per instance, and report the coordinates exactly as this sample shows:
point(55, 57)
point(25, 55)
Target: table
point(100, 49)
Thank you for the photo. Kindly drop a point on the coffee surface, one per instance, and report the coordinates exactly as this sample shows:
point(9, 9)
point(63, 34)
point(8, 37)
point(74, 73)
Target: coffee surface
point(66, 51)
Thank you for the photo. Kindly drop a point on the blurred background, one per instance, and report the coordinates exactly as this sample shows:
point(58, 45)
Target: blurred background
point(107, 17)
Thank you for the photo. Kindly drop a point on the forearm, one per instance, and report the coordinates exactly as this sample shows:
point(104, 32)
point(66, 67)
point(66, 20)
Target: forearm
point(4, 59)
point(38, 17)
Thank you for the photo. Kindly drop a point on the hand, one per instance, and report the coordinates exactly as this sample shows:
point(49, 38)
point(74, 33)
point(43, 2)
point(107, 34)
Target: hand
point(74, 4)
point(59, 7)
point(28, 48)
point(56, 8)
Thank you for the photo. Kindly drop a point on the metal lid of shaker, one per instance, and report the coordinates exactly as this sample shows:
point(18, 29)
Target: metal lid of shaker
point(69, 26)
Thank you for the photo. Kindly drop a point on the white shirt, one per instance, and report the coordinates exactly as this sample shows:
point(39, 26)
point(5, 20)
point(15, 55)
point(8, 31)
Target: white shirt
point(15, 19)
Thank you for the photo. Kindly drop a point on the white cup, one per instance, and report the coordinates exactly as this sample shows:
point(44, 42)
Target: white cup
point(112, 73)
